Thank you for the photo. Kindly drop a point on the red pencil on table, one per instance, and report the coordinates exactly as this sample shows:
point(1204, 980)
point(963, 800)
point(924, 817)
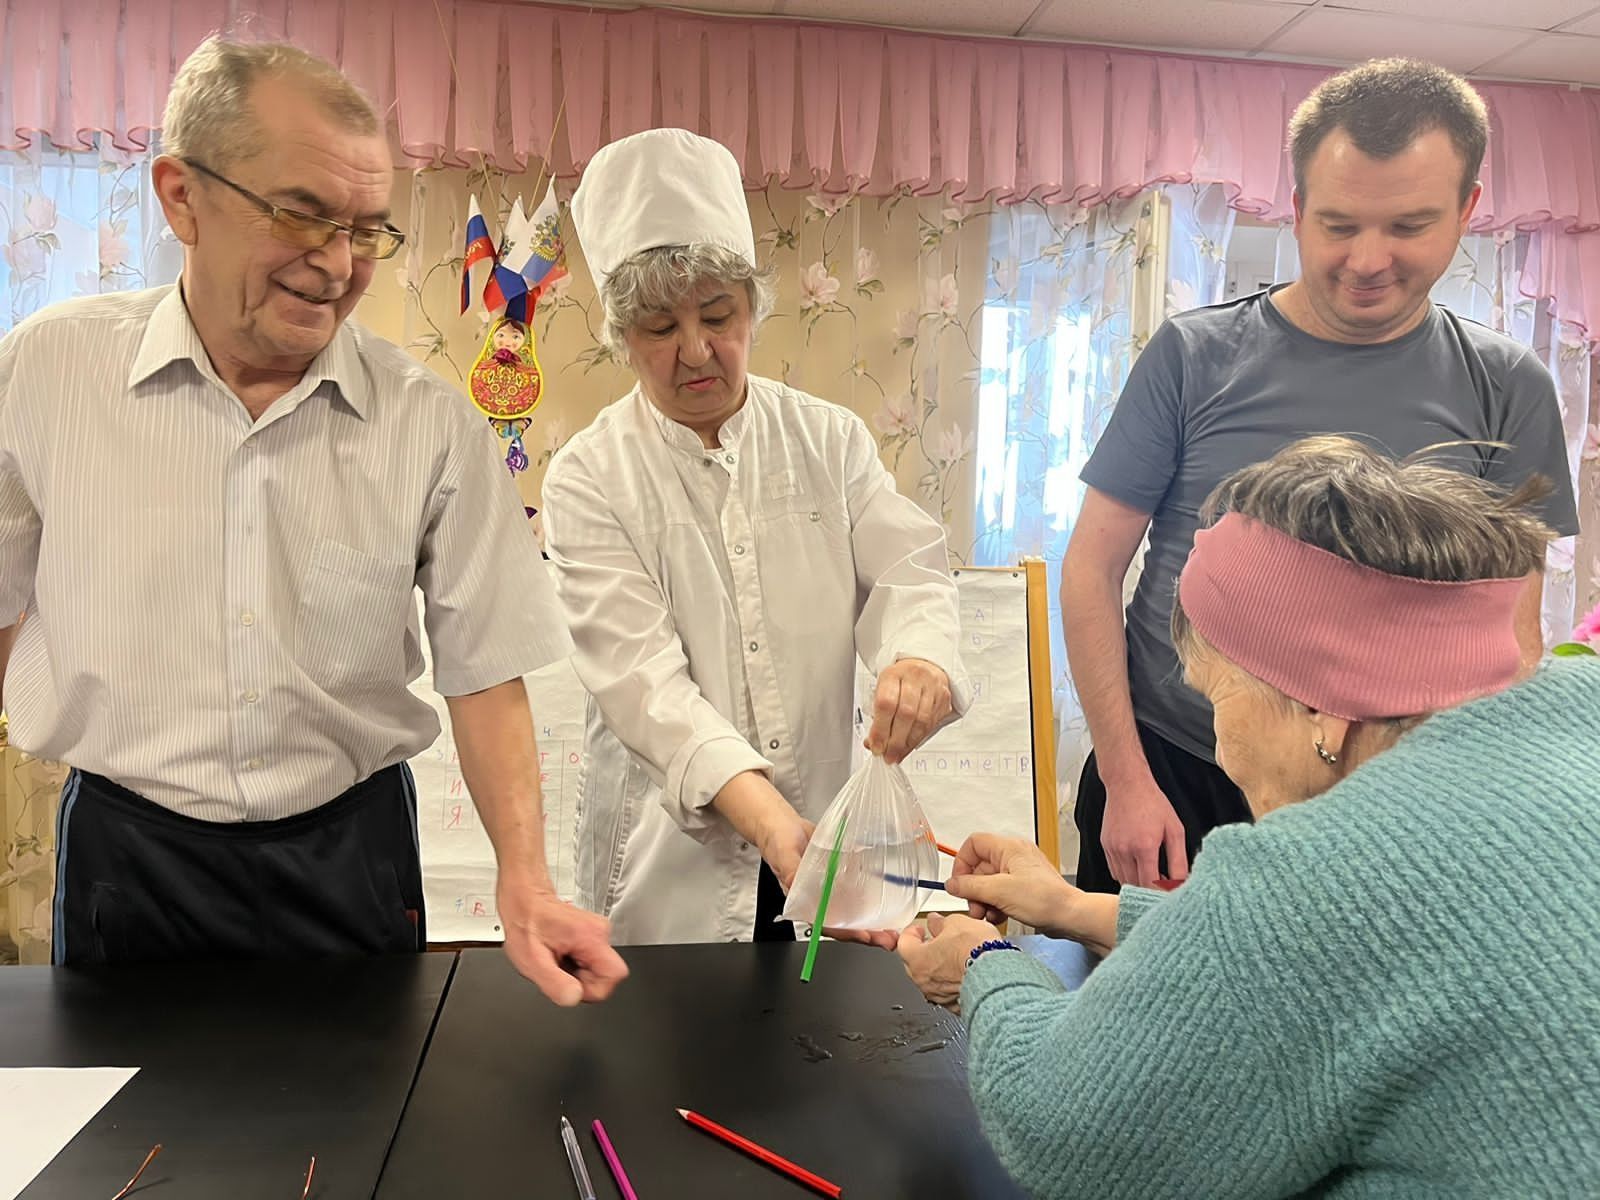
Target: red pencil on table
point(777, 1162)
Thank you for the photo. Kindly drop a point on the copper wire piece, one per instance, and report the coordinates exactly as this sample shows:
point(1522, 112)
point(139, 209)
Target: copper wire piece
point(128, 1187)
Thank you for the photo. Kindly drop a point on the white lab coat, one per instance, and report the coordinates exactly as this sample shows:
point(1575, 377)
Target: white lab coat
point(718, 600)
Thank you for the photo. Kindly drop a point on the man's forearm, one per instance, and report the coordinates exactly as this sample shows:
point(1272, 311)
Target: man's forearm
point(500, 763)
point(1097, 650)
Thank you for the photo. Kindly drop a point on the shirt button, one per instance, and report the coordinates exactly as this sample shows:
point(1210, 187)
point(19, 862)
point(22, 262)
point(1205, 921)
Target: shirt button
point(816, 516)
point(729, 459)
point(739, 549)
point(755, 646)
point(773, 744)
point(253, 764)
point(247, 618)
point(707, 461)
point(251, 696)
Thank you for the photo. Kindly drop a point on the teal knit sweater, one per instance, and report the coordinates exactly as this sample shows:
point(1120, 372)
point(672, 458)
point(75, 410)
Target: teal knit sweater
point(1390, 990)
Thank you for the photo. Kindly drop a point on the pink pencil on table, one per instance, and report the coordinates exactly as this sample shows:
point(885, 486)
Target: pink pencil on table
point(608, 1151)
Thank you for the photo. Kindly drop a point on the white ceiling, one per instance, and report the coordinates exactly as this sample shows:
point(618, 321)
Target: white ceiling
point(1548, 40)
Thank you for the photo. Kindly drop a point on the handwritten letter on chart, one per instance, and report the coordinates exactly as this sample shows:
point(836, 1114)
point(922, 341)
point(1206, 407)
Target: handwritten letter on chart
point(458, 871)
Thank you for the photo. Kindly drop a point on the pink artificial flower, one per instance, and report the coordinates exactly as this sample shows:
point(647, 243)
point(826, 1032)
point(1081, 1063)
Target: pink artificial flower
point(1589, 628)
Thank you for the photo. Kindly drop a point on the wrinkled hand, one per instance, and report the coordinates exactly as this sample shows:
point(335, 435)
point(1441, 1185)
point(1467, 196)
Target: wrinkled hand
point(1138, 822)
point(1001, 877)
point(913, 696)
point(782, 848)
point(564, 950)
point(937, 960)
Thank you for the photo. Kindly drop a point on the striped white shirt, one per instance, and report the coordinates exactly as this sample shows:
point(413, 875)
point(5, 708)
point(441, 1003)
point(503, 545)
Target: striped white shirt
point(220, 613)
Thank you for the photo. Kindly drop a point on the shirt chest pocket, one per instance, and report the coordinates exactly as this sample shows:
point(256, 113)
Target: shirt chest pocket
point(807, 564)
point(805, 524)
point(352, 618)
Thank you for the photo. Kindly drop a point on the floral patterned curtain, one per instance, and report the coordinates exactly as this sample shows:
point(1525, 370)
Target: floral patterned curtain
point(77, 224)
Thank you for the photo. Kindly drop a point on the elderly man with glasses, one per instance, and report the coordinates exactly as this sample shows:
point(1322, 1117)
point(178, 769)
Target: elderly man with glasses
point(216, 499)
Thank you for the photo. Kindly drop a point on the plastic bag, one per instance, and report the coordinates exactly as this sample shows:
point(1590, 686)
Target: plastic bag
point(885, 849)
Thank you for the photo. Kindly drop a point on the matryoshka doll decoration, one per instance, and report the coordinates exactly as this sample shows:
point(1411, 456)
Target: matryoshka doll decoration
point(506, 384)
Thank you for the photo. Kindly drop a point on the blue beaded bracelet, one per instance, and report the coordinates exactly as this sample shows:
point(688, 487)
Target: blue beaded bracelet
point(991, 944)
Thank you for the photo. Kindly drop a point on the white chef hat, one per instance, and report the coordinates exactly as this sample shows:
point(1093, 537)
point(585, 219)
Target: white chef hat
point(662, 187)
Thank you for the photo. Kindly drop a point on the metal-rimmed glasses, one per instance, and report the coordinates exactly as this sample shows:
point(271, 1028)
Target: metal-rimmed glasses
point(310, 231)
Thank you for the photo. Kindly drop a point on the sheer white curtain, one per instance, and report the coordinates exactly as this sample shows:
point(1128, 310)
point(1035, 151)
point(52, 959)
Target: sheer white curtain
point(1072, 295)
point(78, 224)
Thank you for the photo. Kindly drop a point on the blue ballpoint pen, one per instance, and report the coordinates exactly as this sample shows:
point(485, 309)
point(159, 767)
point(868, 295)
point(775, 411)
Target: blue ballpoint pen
point(933, 885)
point(580, 1173)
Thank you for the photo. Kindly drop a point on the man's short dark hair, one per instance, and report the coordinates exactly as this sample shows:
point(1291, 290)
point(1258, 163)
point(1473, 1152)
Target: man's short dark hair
point(1385, 105)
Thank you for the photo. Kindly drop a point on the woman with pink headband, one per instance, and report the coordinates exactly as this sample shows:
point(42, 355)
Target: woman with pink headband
point(1389, 985)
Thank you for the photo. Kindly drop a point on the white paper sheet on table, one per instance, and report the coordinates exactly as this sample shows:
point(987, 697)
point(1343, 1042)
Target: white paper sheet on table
point(42, 1109)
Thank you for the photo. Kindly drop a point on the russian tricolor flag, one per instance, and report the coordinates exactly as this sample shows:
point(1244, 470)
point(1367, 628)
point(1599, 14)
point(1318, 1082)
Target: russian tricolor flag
point(507, 291)
point(478, 262)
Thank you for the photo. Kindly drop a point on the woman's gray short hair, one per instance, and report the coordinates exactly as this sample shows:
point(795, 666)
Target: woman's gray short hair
point(657, 280)
point(1414, 517)
point(208, 116)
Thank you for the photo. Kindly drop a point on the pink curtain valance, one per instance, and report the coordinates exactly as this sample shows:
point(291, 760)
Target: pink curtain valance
point(831, 107)
point(838, 108)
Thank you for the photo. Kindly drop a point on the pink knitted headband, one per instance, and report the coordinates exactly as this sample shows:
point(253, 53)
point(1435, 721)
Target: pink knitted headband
point(1342, 638)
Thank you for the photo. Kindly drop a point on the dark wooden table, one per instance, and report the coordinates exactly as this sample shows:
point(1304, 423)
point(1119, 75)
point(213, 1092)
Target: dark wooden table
point(246, 1071)
point(854, 1076)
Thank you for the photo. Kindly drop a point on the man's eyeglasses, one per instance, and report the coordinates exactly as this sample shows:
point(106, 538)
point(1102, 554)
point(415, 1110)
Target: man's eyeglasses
point(311, 231)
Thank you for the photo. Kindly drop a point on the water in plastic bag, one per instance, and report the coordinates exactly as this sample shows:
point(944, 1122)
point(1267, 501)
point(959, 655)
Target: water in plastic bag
point(887, 847)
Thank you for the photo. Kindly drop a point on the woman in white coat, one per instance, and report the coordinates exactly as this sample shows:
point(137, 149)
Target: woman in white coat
point(724, 547)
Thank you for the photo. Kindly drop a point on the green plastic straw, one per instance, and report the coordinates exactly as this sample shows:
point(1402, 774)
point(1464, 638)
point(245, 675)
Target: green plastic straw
point(822, 905)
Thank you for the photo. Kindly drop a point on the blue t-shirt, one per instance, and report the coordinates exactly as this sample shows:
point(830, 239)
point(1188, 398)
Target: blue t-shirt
point(1222, 387)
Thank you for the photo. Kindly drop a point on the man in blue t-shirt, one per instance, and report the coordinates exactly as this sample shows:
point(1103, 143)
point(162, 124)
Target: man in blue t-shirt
point(1386, 159)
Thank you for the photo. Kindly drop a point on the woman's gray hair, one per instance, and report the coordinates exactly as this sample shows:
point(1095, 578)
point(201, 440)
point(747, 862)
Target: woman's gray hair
point(657, 280)
point(1413, 517)
point(208, 116)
